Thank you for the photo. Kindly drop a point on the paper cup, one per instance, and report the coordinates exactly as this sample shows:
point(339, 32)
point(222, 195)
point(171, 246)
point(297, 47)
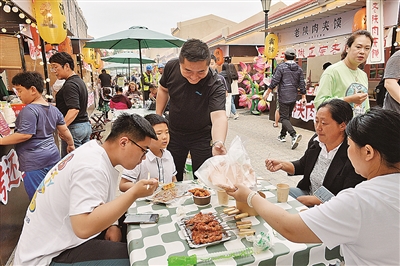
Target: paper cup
point(223, 197)
point(282, 192)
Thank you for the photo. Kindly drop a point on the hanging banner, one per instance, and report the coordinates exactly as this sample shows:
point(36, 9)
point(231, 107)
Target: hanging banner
point(375, 27)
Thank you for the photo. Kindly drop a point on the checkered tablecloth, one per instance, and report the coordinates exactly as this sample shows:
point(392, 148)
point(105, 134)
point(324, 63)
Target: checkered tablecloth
point(152, 244)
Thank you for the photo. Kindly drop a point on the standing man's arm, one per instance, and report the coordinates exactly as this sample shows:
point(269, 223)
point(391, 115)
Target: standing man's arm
point(70, 116)
point(162, 99)
point(393, 88)
point(219, 130)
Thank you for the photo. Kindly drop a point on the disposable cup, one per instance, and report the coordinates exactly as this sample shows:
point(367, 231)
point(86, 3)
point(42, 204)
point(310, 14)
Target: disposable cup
point(223, 197)
point(282, 192)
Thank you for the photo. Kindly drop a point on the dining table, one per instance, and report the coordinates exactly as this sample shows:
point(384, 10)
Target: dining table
point(153, 244)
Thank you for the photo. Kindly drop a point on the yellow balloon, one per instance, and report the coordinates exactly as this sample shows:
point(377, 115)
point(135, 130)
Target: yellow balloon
point(51, 22)
point(271, 46)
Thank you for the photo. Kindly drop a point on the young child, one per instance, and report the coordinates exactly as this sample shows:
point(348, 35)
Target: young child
point(153, 91)
point(159, 162)
point(34, 128)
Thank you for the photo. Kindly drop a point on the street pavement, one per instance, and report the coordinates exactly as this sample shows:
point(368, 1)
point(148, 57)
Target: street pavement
point(260, 141)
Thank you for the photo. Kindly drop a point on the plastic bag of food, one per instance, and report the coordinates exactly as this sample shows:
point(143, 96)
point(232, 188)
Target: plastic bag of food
point(227, 170)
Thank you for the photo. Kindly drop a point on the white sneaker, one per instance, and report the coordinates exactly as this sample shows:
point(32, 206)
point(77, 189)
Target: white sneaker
point(282, 138)
point(235, 116)
point(295, 141)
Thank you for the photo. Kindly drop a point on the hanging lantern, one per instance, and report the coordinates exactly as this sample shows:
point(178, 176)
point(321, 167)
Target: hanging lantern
point(88, 55)
point(50, 17)
point(97, 60)
point(359, 20)
point(66, 46)
point(219, 55)
point(271, 46)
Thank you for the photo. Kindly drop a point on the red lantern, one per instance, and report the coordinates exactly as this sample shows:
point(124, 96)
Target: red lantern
point(51, 22)
point(219, 55)
point(359, 21)
point(66, 46)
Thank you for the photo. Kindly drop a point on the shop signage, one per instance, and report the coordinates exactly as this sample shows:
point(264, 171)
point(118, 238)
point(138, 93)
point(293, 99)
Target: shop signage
point(318, 48)
point(319, 29)
point(375, 27)
point(304, 112)
point(10, 176)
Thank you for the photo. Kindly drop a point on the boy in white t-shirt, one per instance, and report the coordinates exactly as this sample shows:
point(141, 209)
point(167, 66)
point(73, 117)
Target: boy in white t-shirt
point(76, 201)
point(159, 162)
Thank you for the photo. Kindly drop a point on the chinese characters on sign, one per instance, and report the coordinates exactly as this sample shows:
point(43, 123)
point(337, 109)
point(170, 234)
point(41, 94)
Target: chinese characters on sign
point(325, 36)
point(10, 176)
point(320, 48)
point(375, 27)
point(304, 112)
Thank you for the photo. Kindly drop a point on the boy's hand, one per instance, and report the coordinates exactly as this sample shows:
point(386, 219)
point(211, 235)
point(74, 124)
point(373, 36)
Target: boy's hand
point(145, 188)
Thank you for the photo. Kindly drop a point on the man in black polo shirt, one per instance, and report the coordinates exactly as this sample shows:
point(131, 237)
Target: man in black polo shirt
point(71, 100)
point(198, 123)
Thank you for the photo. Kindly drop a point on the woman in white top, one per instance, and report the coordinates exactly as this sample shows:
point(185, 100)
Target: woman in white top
point(365, 220)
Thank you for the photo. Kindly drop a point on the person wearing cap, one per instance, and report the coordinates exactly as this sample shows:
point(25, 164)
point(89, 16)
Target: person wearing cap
point(159, 73)
point(147, 80)
point(289, 78)
point(196, 95)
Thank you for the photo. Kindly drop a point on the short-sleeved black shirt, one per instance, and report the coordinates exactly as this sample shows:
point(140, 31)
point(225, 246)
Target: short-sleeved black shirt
point(190, 105)
point(73, 95)
point(105, 80)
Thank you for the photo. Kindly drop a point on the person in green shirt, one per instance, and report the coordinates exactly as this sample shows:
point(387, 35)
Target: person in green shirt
point(344, 79)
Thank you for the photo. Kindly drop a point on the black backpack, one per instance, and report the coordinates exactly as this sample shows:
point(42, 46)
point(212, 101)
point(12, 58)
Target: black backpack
point(380, 91)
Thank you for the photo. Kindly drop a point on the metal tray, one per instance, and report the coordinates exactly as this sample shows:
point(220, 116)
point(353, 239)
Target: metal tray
point(187, 232)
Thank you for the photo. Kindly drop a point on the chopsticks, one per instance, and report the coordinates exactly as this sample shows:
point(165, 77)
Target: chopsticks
point(148, 178)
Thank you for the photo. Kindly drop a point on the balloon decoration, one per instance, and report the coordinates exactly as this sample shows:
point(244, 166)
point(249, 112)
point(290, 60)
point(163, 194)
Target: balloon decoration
point(66, 46)
point(271, 46)
point(359, 21)
point(88, 55)
point(219, 55)
point(51, 22)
